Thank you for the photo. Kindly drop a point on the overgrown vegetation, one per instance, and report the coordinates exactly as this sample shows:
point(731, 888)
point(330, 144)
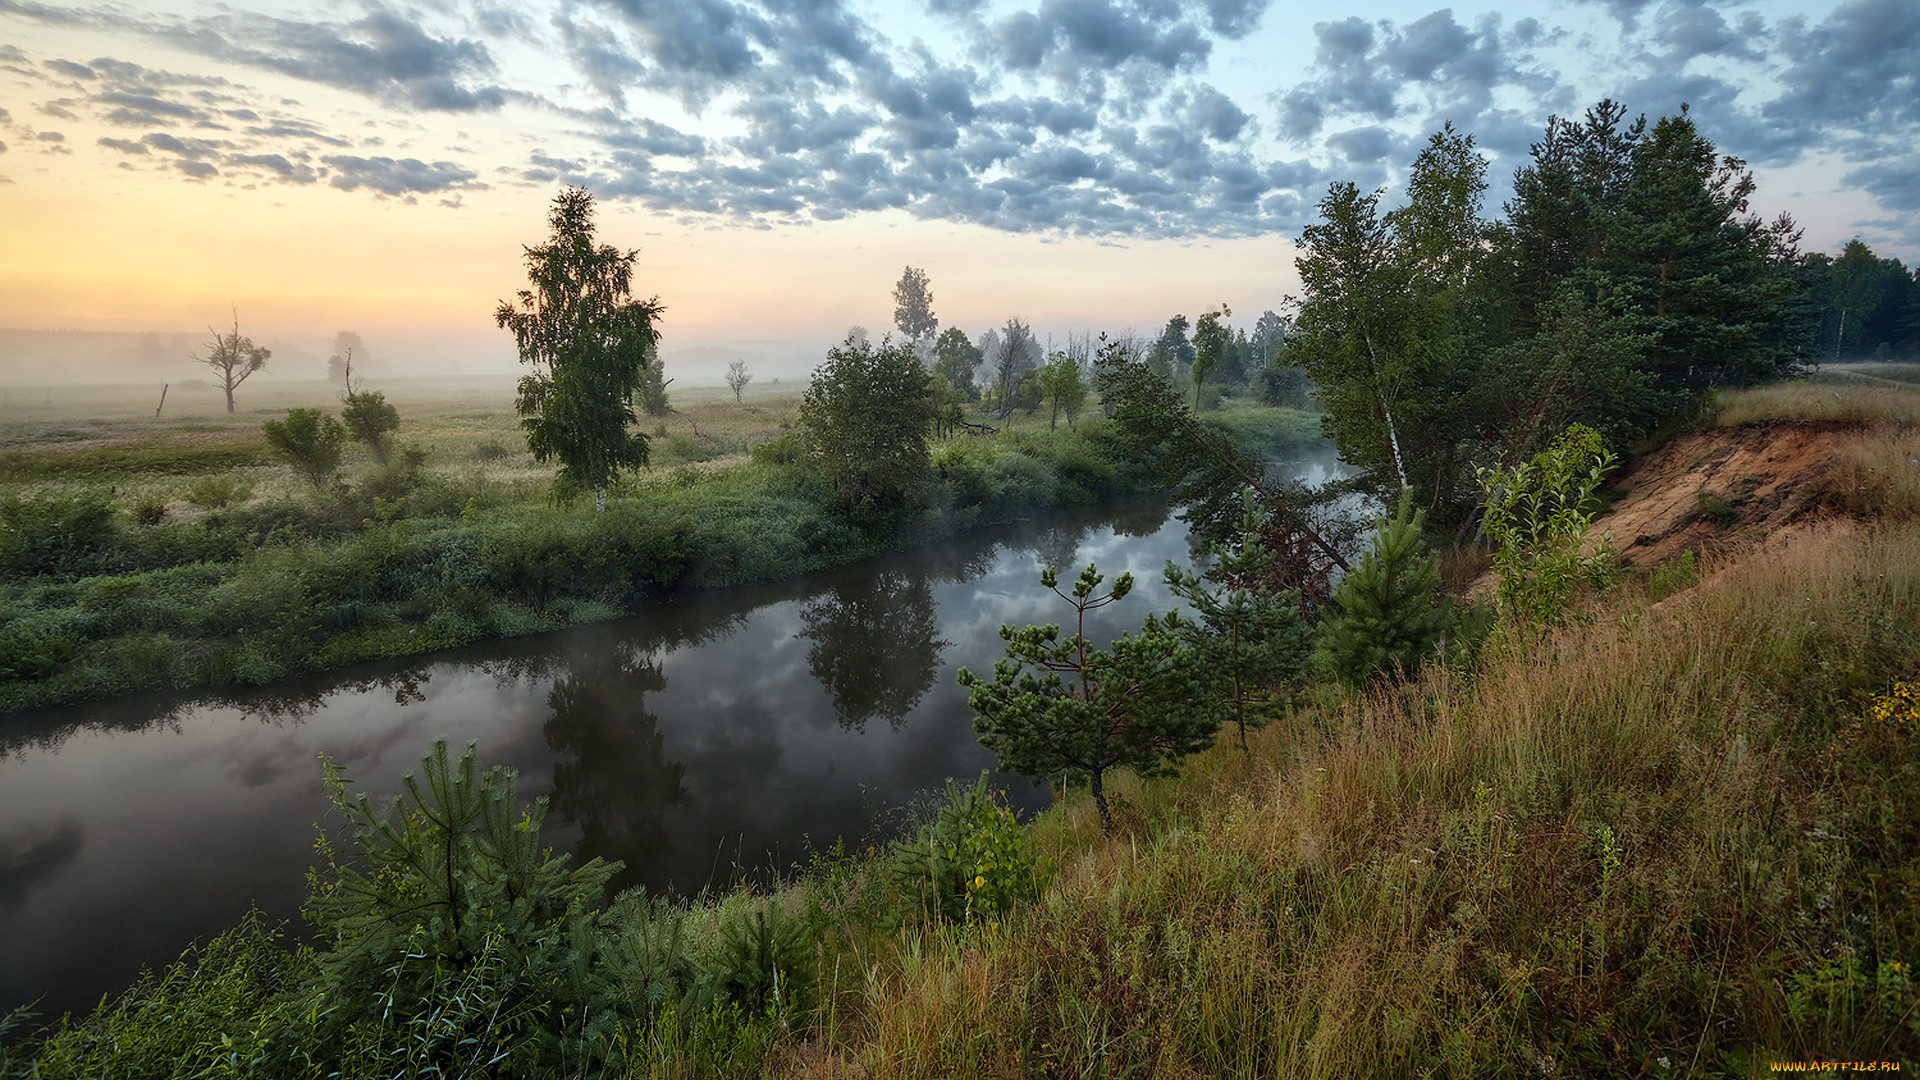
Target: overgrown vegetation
point(245, 575)
point(1672, 840)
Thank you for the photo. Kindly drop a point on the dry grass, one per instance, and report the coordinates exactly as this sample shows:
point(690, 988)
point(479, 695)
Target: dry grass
point(1625, 844)
point(1828, 398)
point(69, 438)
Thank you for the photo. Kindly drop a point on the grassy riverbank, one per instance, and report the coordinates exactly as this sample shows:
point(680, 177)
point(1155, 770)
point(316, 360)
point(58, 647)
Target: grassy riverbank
point(143, 554)
point(1678, 838)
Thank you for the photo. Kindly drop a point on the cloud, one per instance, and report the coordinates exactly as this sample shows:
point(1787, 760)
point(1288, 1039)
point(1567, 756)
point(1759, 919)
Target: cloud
point(125, 146)
point(1860, 66)
point(292, 172)
point(388, 176)
point(199, 170)
point(1894, 183)
point(384, 55)
point(1362, 145)
point(69, 68)
point(1214, 113)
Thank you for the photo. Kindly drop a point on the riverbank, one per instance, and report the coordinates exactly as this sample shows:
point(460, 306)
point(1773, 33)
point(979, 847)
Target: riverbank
point(142, 557)
point(1675, 838)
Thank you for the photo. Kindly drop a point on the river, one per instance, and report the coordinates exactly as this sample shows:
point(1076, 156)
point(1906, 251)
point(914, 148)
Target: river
point(723, 734)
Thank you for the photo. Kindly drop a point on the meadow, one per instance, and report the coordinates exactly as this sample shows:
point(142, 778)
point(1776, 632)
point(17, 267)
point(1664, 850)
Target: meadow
point(175, 552)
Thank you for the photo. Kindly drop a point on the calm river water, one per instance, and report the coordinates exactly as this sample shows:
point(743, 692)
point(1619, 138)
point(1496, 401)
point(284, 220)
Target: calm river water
point(722, 733)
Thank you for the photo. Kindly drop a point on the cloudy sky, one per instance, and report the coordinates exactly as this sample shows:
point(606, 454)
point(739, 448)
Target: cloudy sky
point(374, 164)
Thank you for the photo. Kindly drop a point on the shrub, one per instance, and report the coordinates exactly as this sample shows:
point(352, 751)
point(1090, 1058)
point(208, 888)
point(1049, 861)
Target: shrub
point(1389, 611)
point(311, 441)
point(450, 887)
point(217, 492)
point(56, 533)
point(971, 861)
point(1537, 516)
point(149, 511)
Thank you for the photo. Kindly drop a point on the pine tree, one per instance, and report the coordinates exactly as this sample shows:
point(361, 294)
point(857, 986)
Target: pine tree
point(1249, 638)
point(1389, 612)
point(1137, 704)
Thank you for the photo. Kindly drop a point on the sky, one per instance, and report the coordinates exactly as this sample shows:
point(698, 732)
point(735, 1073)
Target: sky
point(374, 165)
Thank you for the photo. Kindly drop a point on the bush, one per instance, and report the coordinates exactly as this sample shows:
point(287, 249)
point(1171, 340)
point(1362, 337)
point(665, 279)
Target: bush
point(217, 492)
point(56, 533)
point(311, 441)
point(149, 512)
point(452, 889)
point(971, 860)
point(1389, 612)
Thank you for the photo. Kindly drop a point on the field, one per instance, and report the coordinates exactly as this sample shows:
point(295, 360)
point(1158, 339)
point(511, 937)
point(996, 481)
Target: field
point(176, 551)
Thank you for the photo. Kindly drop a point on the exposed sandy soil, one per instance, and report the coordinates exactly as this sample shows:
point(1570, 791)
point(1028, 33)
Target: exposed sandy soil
point(1768, 476)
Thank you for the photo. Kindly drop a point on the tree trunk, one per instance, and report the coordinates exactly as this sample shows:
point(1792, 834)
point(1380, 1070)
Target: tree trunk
point(600, 500)
point(1100, 803)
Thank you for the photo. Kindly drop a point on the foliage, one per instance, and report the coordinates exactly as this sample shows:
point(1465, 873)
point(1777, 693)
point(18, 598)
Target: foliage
point(218, 492)
point(955, 359)
point(1062, 388)
point(233, 358)
point(971, 861)
point(1138, 704)
point(56, 533)
point(866, 414)
point(369, 419)
point(311, 441)
point(1212, 344)
point(592, 348)
point(455, 878)
point(1537, 516)
point(1248, 637)
point(913, 307)
point(149, 511)
point(1389, 611)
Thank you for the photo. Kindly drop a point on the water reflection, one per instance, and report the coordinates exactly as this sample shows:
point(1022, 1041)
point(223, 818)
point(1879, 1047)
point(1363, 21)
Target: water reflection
point(720, 733)
point(611, 776)
point(874, 645)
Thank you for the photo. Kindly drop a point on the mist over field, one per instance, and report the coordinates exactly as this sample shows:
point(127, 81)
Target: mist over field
point(31, 358)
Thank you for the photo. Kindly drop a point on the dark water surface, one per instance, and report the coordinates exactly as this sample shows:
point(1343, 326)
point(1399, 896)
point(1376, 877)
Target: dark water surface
point(725, 729)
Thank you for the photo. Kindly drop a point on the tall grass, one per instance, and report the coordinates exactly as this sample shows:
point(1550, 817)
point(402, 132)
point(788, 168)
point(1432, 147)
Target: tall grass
point(1666, 844)
point(1824, 400)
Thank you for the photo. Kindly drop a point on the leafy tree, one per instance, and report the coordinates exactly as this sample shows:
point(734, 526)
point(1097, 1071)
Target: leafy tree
point(737, 378)
point(311, 441)
point(1249, 637)
point(1209, 474)
point(1015, 354)
point(913, 307)
point(955, 359)
point(1389, 612)
point(1537, 516)
point(591, 347)
point(1269, 338)
point(368, 418)
point(1171, 353)
point(866, 414)
point(1062, 388)
point(233, 358)
point(1138, 704)
point(1211, 340)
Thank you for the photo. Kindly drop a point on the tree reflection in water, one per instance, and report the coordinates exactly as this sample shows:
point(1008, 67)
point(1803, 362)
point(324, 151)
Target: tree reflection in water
point(874, 648)
point(611, 775)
